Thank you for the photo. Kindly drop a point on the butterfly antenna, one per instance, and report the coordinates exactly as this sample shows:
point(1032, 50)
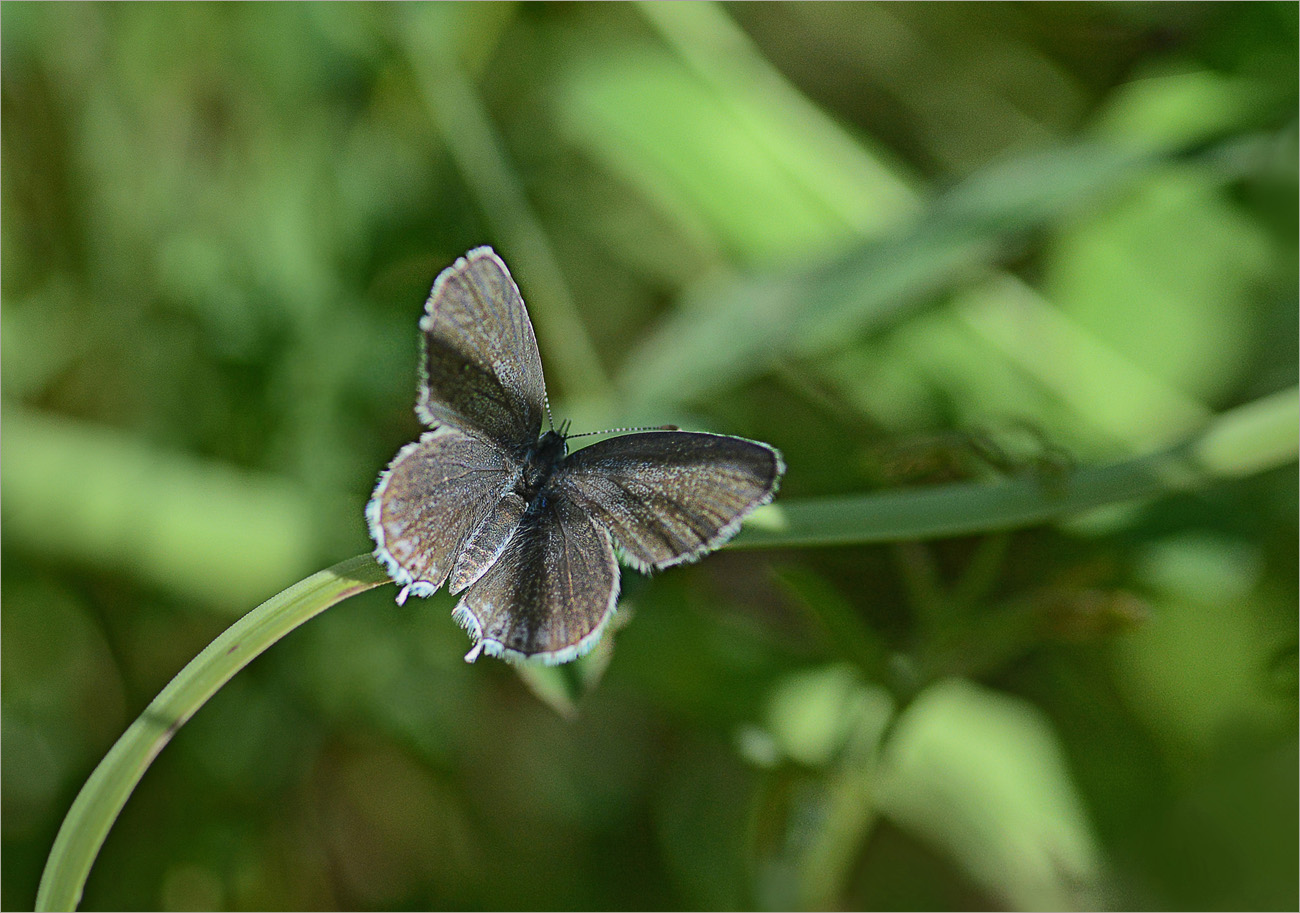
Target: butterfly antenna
point(546, 401)
point(625, 430)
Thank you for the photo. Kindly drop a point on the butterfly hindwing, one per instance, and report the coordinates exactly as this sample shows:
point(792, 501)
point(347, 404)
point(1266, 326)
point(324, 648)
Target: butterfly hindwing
point(669, 496)
point(550, 592)
point(434, 496)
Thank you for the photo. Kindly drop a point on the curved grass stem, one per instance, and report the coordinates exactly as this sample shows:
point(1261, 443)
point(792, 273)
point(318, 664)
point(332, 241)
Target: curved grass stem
point(112, 782)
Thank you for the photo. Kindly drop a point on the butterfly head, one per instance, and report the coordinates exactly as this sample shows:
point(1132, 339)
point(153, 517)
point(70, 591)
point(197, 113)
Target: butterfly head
point(550, 447)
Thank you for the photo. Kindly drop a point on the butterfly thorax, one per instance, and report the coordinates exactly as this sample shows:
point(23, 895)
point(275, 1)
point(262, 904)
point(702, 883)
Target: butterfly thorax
point(540, 462)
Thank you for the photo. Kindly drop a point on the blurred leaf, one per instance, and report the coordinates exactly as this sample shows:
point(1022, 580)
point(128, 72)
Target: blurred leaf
point(1163, 277)
point(813, 715)
point(998, 352)
point(201, 530)
point(1259, 433)
point(1176, 109)
point(824, 718)
point(730, 163)
point(732, 332)
point(842, 172)
point(982, 776)
point(1205, 589)
point(1121, 400)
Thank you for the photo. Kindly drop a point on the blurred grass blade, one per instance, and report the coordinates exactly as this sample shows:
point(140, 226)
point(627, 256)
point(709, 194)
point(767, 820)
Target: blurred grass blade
point(466, 129)
point(1113, 393)
point(202, 529)
point(837, 170)
point(719, 140)
point(1251, 438)
point(112, 782)
point(726, 335)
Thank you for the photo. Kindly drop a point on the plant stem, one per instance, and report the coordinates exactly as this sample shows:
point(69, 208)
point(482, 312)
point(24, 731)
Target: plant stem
point(101, 799)
point(1252, 438)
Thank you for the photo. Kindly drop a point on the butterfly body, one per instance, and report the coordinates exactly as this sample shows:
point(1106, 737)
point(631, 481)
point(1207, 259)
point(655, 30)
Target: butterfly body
point(541, 461)
point(498, 510)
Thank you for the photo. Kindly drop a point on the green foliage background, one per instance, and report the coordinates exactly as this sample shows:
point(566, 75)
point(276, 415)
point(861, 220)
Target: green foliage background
point(875, 235)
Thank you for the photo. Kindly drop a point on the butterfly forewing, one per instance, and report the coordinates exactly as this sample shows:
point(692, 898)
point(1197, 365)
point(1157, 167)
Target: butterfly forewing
point(670, 496)
point(481, 371)
point(550, 592)
point(435, 495)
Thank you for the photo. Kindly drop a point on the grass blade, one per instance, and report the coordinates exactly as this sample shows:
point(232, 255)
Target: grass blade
point(1252, 438)
point(101, 799)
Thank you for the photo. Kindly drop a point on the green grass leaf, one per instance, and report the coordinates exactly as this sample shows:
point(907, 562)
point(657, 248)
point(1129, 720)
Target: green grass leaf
point(101, 799)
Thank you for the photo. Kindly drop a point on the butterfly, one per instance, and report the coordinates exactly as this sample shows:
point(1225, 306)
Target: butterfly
point(499, 511)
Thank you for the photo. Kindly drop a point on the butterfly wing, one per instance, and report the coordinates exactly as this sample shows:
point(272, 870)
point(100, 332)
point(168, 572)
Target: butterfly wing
point(551, 591)
point(481, 372)
point(670, 496)
point(432, 504)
